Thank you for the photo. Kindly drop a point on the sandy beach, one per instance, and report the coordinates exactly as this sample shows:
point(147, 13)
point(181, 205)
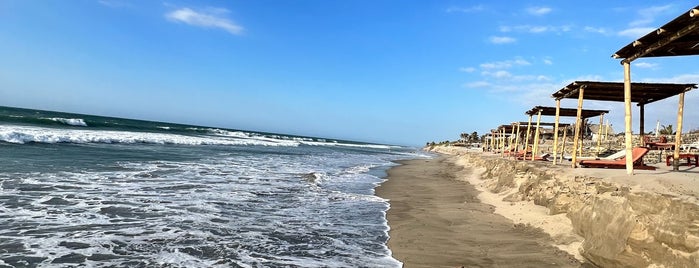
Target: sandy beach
point(437, 220)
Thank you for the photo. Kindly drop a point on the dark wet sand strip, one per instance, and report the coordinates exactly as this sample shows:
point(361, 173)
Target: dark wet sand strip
point(437, 221)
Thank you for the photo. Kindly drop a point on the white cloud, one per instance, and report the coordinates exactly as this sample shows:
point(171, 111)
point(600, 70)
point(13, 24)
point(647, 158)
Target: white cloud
point(548, 62)
point(647, 15)
point(114, 3)
point(497, 74)
point(645, 65)
point(210, 18)
point(472, 9)
point(505, 64)
point(477, 84)
point(636, 32)
point(539, 11)
point(467, 69)
point(600, 30)
point(536, 28)
point(501, 40)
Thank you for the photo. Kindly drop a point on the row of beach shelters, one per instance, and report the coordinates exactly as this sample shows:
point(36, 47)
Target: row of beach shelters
point(679, 37)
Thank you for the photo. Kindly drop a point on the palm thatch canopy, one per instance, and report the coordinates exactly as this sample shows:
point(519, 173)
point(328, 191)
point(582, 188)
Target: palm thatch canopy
point(643, 93)
point(566, 112)
point(679, 37)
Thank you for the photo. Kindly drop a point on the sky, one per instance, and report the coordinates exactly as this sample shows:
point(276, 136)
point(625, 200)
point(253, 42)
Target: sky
point(397, 72)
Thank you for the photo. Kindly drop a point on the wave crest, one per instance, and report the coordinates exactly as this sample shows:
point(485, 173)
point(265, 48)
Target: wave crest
point(69, 121)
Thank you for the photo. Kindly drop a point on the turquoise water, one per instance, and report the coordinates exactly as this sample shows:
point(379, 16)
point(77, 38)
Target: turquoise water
point(98, 191)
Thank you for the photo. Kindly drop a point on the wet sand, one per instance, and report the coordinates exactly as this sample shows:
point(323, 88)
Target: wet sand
point(437, 220)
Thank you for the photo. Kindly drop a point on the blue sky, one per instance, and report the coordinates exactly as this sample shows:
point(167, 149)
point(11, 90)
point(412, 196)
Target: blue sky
point(399, 72)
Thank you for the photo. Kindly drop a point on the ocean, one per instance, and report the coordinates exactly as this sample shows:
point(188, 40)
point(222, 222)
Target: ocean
point(82, 190)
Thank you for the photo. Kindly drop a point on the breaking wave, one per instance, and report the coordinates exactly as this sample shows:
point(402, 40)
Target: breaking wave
point(69, 121)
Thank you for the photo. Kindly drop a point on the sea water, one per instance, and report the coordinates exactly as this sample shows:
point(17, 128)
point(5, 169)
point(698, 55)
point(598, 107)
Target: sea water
point(98, 191)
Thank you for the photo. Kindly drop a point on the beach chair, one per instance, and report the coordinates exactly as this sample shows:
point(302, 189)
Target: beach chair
point(541, 157)
point(614, 156)
point(690, 146)
point(637, 157)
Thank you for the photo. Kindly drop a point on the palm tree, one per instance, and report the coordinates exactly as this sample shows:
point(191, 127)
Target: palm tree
point(666, 130)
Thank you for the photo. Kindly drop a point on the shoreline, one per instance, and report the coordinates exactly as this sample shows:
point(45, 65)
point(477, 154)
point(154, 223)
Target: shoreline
point(437, 220)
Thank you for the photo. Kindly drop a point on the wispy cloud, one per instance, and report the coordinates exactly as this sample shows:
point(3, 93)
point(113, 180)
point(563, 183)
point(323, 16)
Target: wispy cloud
point(648, 15)
point(636, 32)
point(539, 11)
point(472, 9)
point(114, 3)
point(646, 65)
point(598, 30)
point(209, 18)
point(536, 28)
point(505, 64)
point(467, 69)
point(501, 40)
point(477, 84)
point(548, 61)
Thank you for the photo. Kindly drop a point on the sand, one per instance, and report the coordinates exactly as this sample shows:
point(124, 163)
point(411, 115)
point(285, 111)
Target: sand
point(437, 220)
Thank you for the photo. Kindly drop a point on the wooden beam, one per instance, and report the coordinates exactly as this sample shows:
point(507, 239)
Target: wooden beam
point(555, 131)
point(578, 121)
point(678, 135)
point(511, 140)
point(628, 137)
point(563, 148)
point(535, 150)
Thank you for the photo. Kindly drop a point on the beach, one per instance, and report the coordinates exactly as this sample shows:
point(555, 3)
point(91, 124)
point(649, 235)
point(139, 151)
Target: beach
point(598, 217)
point(437, 220)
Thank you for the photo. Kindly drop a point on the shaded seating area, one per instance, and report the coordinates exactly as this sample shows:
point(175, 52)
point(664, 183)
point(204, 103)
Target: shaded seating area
point(636, 156)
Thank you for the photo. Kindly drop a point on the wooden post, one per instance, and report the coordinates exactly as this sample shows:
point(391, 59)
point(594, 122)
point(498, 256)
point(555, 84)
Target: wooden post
point(563, 148)
point(599, 134)
point(526, 141)
point(578, 121)
point(517, 140)
point(678, 135)
point(641, 123)
point(628, 137)
point(555, 131)
point(502, 142)
point(512, 139)
point(535, 150)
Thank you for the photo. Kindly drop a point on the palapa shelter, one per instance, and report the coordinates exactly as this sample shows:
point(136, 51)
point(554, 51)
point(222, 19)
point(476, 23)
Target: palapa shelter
point(557, 111)
point(679, 37)
point(644, 93)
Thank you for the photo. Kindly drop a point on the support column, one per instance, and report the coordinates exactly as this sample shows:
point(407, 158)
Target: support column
point(512, 140)
point(678, 135)
point(599, 134)
point(526, 141)
point(502, 142)
point(563, 148)
point(578, 121)
point(535, 150)
point(627, 118)
point(517, 140)
point(641, 123)
point(555, 130)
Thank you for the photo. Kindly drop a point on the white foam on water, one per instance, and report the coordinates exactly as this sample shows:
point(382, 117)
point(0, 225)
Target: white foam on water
point(69, 121)
point(23, 134)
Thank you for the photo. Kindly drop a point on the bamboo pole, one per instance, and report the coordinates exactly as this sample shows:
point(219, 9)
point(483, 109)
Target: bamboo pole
point(555, 131)
point(641, 123)
point(517, 139)
point(563, 148)
point(599, 134)
point(535, 150)
point(502, 142)
point(678, 135)
point(578, 121)
point(526, 141)
point(628, 137)
point(512, 139)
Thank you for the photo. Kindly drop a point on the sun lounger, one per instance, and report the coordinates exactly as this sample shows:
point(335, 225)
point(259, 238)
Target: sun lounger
point(542, 157)
point(637, 157)
point(614, 156)
point(690, 146)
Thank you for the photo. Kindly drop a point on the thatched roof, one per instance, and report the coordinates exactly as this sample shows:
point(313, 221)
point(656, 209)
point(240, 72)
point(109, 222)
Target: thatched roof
point(566, 112)
point(679, 37)
point(642, 93)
